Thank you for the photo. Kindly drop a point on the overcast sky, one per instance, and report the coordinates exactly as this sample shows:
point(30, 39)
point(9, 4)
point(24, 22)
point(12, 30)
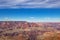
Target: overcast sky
point(29, 3)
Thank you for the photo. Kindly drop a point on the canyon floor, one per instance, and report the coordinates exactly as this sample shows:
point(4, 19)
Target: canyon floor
point(22, 30)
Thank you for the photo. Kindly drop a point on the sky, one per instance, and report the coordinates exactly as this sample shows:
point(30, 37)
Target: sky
point(30, 10)
point(29, 3)
point(30, 14)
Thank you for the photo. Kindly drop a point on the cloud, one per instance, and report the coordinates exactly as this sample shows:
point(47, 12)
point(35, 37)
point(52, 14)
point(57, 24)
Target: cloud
point(4, 19)
point(32, 17)
point(29, 3)
point(48, 19)
point(45, 19)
